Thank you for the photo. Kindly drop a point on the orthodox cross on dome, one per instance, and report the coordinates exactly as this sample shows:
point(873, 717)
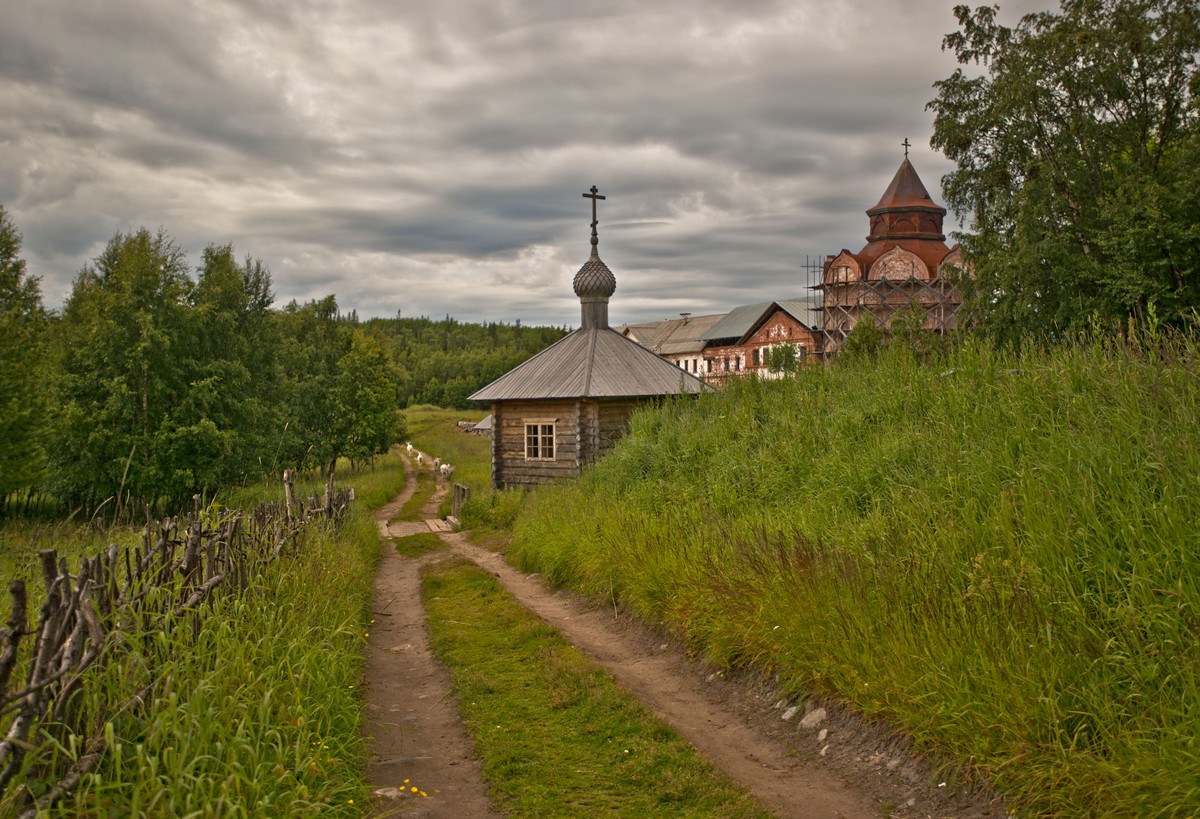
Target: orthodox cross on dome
point(594, 195)
point(905, 143)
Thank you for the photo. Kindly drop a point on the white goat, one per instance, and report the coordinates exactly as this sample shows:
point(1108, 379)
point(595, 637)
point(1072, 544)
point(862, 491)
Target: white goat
point(420, 459)
point(447, 470)
point(437, 464)
point(409, 445)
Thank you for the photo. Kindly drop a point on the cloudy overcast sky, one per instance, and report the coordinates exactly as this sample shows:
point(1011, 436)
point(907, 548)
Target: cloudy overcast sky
point(429, 157)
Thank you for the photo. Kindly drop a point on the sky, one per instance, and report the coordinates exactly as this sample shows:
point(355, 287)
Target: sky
point(429, 158)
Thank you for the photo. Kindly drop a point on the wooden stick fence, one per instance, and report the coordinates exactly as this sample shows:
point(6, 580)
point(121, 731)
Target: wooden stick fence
point(118, 595)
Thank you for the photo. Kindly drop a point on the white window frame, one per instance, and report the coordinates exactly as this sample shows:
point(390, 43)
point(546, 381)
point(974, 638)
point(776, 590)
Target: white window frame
point(543, 436)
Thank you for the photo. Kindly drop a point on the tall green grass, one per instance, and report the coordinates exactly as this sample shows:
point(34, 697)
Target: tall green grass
point(260, 713)
point(997, 552)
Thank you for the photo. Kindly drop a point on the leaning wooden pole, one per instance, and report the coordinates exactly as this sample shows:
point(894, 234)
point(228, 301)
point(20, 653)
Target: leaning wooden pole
point(289, 495)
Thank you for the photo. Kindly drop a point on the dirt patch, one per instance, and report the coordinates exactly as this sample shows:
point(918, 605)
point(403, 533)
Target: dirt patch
point(810, 759)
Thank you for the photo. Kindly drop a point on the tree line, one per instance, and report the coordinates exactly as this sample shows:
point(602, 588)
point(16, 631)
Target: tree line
point(442, 362)
point(156, 381)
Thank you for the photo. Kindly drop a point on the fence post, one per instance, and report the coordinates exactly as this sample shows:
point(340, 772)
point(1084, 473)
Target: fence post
point(289, 494)
point(462, 494)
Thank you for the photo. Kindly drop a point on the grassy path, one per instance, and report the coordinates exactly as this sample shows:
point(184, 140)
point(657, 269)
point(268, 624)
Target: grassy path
point(657, 679)
point(417, 735)
point(557, 734)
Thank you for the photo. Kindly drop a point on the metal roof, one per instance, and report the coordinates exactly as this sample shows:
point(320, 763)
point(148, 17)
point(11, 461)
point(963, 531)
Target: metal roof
point(673, 336)
point(807, 311)
point(591, 363)
point(684, 335)
point(646, 333)
point(737, 322)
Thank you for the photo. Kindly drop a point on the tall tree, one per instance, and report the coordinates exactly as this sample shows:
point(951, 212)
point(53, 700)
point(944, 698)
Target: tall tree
point(22, 330)
point(365, 420)
point(222, 431)
point(124, 366)
point(1078, 161)
point(314, 338)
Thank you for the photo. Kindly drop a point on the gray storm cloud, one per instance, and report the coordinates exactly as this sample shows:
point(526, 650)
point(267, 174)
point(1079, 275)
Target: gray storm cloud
point(429, 158)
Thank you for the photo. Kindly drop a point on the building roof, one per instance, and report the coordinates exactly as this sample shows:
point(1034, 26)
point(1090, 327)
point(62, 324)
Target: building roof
point(596, 362)
point(806, 310)
point(672, 336)
point(643, 333)
point(737, 322)
point(693, 334)
point(742, 321)
point(906, 192)
point(684, 335)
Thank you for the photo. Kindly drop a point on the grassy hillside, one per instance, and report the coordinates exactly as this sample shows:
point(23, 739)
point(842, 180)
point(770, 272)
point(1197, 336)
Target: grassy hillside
point(996, 552)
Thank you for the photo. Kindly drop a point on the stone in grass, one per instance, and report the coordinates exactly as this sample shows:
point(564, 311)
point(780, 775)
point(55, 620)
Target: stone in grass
point(813, 718)
point(791, 712)
point(389, 793)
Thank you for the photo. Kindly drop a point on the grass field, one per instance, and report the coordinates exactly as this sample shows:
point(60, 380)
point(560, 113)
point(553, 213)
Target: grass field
point(995, 552)
point(435, 431)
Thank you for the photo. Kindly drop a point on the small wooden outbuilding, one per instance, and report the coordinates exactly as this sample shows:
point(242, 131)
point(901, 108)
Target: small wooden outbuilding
point(569, 404)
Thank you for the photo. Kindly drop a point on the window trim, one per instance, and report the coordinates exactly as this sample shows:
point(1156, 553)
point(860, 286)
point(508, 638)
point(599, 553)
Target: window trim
point(542, 439)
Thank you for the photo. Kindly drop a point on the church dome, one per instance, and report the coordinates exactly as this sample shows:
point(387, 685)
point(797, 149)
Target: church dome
point(594, 279)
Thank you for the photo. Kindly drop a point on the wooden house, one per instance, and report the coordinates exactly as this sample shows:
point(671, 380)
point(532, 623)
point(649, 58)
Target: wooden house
point(568, 405)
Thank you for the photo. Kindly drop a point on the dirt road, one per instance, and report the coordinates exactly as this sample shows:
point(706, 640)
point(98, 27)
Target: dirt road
point(800, 762)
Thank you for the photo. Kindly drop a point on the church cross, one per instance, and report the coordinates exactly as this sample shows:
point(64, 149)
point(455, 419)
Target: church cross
point(594, 196)
point(905, 143)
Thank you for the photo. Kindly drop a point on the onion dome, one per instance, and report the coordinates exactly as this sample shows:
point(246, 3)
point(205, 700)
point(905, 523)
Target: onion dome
point(594, 283)
point(594, 279)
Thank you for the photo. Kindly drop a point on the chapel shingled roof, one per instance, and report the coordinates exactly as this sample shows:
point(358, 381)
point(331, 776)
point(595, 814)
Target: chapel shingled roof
point(594, 363)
